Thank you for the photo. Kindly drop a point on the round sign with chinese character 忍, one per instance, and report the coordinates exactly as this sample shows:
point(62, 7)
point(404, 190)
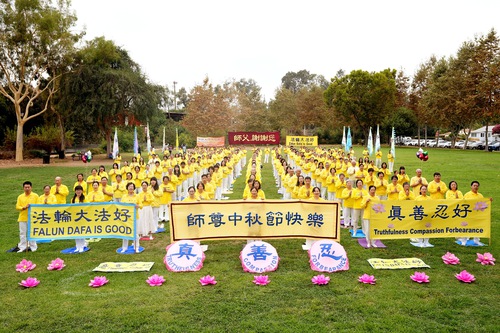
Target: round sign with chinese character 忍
point(184, 256)
point(259, 257)
point(328, 256)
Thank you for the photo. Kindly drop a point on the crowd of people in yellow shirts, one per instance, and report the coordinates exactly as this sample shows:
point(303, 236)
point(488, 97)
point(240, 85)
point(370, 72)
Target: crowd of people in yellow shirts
point(319, 174)
point(208, 173)
point(200, 174)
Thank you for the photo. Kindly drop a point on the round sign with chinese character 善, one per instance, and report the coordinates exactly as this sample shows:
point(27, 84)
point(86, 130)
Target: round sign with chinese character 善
point(184, 256)
point(328, 256)
point(259, 257)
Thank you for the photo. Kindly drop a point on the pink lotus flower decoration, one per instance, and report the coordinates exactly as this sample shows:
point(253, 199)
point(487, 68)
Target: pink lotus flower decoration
point(56, 265)
point(261, 280)
point(390, 225)
point(208, 280)
point(367, 279)
point(25, 266)
point(428, 225)
point(320, 279)
point(378, 208)
point(480, 205)
point(155, 280)
point(98, 281)
point(450, 259)
point(464, 224)
point(485, 259)
point(29, 282)
point(465, 276)
point(420, 277)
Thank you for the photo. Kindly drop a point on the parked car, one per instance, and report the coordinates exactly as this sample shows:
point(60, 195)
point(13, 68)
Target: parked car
point(444, 144)
point(473, 145)
point(495, 146)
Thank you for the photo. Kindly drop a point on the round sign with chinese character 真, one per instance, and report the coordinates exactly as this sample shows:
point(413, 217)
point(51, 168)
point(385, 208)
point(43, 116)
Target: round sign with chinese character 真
point(259, 257)
point(328, 256)
point(184, 256)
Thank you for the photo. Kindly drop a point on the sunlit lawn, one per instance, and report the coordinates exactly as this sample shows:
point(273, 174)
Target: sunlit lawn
point(63, 302)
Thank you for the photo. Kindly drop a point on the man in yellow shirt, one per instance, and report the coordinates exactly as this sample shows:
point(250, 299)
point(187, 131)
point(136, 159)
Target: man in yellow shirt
point(23, 203)
point(437, 188)
point(417, 182)
point(473, 194)
point(60, 191)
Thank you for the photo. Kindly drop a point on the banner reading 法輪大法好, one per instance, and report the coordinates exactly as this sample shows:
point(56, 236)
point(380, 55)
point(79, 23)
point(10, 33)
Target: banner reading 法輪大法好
point(211, 141)
point(302, 141)
point(430, 219)
point(86, 220)
point(253, 138)
point(241, 219)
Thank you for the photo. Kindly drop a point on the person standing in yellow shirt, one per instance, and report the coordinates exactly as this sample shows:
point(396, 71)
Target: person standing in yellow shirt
point(369, 200)
point(406, 193)
point(437, 188)
point(60, 191)
point(47, 198)
point(417, 181)
point(393, 189)
point(473, 194)
point(23, 203)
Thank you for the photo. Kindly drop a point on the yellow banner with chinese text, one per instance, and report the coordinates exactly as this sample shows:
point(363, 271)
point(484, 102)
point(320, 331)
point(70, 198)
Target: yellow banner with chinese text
point(302, 141)
point(241, 219)
point(87, 220)
point(430, 219)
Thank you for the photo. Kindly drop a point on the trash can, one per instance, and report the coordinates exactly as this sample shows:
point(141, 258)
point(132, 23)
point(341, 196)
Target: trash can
point(46, 159)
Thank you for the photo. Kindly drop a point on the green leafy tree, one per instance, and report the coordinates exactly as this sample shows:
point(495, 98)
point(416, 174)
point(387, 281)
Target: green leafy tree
point(105, 89)
point(295, 81)
point(35, 36)
point(363, 98)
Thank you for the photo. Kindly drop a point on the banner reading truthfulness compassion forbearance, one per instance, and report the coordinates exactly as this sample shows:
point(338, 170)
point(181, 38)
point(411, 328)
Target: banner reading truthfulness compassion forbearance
point(211, 141)
point(254, 138)
point(302, 141)
point(430, 219)
point(87, 220)
point(241, 219)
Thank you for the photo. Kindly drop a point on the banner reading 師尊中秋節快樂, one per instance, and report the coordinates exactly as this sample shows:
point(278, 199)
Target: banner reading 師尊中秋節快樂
point(86, 220)
point(253, 138)
point(430, 219)
point(244, 219)
point(302, 141)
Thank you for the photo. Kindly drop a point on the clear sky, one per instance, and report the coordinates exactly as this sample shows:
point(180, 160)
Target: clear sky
point(187, 40)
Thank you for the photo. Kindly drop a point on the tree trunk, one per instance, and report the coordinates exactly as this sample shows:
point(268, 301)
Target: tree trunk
point(19, 141)
point(486, 138)
point(108, 146)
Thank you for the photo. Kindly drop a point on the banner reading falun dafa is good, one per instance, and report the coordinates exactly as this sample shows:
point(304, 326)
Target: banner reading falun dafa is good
point(87, 220)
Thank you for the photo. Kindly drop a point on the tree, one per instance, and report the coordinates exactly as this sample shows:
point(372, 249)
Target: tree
point(35, 35)
point(419, 85)
point(208, 111)
point(106, 87)
point(362, 97)
point(295, 81)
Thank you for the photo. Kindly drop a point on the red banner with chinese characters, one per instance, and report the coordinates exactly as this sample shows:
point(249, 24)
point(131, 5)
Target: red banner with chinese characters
point(254, 138)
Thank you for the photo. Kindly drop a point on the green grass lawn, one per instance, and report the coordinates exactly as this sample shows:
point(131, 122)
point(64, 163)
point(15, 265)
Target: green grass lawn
point(63, 302)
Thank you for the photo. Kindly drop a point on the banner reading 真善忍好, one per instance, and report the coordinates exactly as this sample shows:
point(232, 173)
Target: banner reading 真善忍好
point(254, 138)
point(86, 220)
point(242, 219)
point(302, 141)
point(430, 219)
